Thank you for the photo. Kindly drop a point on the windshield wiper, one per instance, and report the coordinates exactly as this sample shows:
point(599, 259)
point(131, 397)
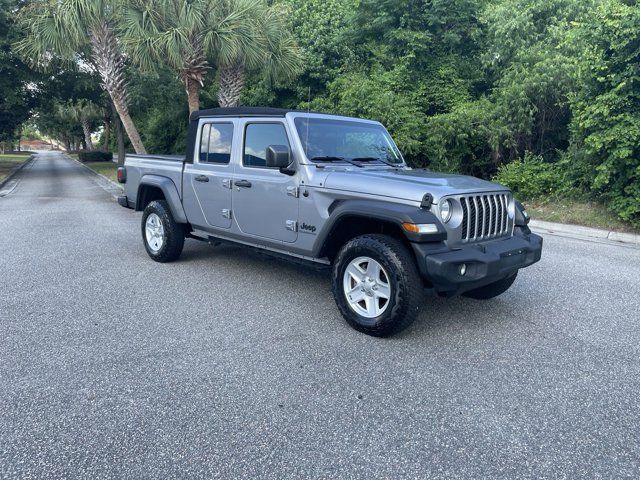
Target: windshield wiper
point(371, 159)
point(332, 158)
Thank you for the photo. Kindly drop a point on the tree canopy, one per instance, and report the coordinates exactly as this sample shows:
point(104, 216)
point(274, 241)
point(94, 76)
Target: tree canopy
point(468, 86)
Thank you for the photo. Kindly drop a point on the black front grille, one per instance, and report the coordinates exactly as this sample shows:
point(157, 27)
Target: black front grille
point(484, 216)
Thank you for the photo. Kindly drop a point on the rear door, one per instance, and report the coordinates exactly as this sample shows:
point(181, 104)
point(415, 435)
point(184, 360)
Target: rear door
point(209, 176)
point(265, 201)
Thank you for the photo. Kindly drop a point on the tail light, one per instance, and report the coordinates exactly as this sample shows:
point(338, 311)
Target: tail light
point(122, 174)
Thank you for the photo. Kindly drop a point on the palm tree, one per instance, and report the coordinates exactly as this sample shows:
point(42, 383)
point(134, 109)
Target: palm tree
point(83, 112)
point(81, 31)
point(172, 32)
point(273, 50)
point(190, 36)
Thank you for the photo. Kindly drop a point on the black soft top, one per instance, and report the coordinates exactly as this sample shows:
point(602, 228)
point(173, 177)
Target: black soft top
point(242, 112)
point(231, 112)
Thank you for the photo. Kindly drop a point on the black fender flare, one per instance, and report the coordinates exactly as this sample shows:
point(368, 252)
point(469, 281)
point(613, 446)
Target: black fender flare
point(170, 192)
point(395, 213)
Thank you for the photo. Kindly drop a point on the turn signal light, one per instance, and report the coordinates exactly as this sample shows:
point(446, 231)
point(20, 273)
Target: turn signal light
point(420, 227)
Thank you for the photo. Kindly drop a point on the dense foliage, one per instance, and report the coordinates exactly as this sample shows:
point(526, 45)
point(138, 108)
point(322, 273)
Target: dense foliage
point(532, 178)
point(543, 95)
point(94, 156)
point(16, 99)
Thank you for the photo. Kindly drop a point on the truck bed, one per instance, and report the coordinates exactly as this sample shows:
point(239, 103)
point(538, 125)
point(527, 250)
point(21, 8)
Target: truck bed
point(166, 166)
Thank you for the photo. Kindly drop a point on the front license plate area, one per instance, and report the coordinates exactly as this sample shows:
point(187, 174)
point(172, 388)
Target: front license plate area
point(514, 257)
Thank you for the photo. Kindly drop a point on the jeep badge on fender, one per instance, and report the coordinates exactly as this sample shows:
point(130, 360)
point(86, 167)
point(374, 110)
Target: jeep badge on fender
point(308, 228)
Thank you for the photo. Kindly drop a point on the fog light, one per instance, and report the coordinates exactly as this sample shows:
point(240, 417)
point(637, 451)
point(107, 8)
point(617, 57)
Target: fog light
point(462, 269)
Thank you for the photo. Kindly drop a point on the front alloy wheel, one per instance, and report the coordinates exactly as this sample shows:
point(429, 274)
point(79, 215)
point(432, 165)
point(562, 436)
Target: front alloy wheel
point(376, 284)
point(366, 287)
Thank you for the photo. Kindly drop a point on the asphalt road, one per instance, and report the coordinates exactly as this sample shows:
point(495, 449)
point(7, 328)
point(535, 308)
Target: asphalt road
point(231, 364)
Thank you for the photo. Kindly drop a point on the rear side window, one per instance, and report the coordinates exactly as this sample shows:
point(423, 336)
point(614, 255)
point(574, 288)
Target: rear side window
point(257, 137)
point(215, 142)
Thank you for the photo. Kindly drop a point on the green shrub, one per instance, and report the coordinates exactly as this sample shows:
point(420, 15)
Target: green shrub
point(532, 177)
point(95, 156)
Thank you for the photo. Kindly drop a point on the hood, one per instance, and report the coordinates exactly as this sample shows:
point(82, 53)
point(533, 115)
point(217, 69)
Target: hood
point(408, 184)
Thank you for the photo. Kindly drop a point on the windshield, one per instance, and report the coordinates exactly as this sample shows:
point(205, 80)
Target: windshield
point(326, 139)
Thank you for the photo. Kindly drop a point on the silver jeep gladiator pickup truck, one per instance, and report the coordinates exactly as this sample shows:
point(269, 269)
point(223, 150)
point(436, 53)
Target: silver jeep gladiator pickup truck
point(336, 191)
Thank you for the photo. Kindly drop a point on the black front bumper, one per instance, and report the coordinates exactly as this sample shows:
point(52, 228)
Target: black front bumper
point(485, 262)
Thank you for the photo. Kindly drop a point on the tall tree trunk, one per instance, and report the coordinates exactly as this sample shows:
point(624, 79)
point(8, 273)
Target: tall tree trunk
point(130, 128)
point(86, 130)
point(119, 137)
point(192, 73)
point(110, 64)
point(117, 129)
point(193, 94)
point(67, 144)
point(231, 84)
point(107, 132)
point(107, 135)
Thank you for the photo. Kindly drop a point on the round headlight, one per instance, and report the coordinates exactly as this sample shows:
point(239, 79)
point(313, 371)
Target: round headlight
point(511, 209)
point(445, 210)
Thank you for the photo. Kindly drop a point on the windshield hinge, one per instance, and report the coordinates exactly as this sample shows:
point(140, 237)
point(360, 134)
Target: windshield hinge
point(292, 225)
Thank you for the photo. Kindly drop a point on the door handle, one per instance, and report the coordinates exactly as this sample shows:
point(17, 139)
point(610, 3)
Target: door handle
point(201, 178)
point(242, 183)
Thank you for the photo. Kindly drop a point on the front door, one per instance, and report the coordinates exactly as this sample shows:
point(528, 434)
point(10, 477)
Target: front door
point(265, 201)
point(209, 177)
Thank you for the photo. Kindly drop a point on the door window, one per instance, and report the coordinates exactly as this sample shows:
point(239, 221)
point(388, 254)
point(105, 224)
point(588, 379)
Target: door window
point(257, 137)
point(215, 142)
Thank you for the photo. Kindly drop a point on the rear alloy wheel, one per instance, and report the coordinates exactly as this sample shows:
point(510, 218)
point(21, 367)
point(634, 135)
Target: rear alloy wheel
point(376, 284)
point(154, 232)
point(163, 237)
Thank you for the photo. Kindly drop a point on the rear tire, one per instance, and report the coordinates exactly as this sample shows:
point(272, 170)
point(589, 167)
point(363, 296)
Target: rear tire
point(381, 303)
point(162, 236)
point(493, 289)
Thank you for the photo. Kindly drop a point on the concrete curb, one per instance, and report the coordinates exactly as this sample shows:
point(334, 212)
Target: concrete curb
point(11, 176)
point(111, 187)
point(585, 233)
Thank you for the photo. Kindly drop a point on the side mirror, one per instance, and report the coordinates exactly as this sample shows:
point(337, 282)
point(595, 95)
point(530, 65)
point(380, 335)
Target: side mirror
point(278, 156)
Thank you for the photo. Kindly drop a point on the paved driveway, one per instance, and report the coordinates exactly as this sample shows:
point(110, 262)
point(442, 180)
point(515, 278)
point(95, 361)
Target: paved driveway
point(231, 364)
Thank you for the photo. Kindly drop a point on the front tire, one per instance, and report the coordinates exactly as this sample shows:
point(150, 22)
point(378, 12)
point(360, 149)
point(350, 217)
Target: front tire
point(493, 289)
point(376, 285)
point(162, 236)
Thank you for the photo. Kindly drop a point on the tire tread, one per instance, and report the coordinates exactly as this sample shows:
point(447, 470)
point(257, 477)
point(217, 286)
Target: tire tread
point(405, 307)
point(174, 232)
